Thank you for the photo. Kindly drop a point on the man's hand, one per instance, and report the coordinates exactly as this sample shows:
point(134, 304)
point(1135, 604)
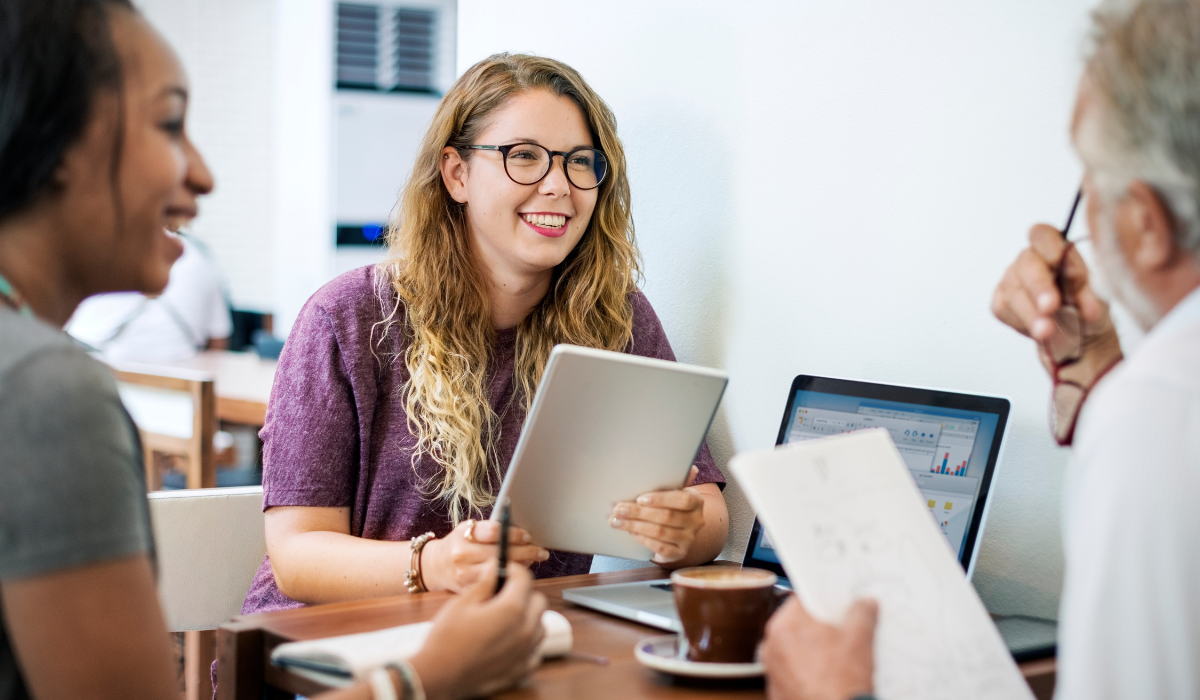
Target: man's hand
point(1027, 299)
point(809, 660)
point(1027, 296)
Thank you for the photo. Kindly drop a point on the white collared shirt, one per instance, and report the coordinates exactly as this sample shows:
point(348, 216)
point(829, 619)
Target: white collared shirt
point(1129, 621)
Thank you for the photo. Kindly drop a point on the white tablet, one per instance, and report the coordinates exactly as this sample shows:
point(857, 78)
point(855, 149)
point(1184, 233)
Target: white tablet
point(605, 427)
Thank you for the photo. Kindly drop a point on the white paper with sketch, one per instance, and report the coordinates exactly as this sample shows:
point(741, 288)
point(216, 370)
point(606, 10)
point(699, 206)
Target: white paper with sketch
point(848, 522)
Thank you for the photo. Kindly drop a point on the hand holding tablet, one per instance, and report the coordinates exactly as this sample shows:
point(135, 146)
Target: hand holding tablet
point(610, 431)
point(665, 522)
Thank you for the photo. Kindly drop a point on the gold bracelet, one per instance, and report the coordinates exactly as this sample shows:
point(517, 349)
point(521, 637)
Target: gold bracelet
point(413, 579)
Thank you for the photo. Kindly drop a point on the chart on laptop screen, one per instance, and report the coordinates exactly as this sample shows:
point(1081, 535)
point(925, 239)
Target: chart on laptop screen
point(945, 449)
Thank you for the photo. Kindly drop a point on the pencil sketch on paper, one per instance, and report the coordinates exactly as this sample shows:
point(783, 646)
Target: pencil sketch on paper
point(848, 522)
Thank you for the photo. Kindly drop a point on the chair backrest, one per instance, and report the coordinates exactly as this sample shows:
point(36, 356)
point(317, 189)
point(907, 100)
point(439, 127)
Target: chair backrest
point(210, 543)
point(175, 411)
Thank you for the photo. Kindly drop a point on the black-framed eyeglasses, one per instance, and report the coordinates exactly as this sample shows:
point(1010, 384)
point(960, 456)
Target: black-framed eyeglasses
point(528, 163)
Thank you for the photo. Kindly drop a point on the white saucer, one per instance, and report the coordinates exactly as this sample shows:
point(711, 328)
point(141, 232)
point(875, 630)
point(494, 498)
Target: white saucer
point(665, 654)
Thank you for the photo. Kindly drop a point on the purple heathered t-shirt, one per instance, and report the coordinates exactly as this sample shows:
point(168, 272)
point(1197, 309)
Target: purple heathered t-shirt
point(336, 432)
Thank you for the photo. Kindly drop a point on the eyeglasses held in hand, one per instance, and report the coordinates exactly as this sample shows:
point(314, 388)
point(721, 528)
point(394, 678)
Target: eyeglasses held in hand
point(1065, 348)
point(528, 163)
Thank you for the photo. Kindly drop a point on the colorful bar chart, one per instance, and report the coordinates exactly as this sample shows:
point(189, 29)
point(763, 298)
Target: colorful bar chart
point(944, 467)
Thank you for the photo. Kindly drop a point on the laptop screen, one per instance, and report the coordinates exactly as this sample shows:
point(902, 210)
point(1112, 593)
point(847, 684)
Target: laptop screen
point(950, 443)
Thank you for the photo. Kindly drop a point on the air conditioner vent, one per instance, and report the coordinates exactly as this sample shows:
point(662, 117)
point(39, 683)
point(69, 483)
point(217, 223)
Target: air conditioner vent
point(386, 48)
point(357, 45)
point(414, 52)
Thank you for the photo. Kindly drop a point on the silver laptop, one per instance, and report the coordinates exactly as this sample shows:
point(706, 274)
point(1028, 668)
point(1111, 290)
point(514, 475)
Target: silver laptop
point(950, 442)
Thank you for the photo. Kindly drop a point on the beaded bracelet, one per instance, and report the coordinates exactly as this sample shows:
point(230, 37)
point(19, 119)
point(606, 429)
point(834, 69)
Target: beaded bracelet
point(413, 579)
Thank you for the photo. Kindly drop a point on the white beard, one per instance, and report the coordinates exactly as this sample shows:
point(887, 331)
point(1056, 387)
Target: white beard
point(1115, 276)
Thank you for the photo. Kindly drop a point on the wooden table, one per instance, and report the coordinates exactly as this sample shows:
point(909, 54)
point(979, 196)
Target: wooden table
point(242, 381)
point(244, 648)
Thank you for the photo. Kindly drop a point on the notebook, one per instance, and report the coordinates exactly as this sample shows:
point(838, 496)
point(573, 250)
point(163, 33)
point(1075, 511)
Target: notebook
point(339, 661)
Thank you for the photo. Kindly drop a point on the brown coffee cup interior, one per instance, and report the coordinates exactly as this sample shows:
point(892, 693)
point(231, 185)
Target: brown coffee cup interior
point(723, 611)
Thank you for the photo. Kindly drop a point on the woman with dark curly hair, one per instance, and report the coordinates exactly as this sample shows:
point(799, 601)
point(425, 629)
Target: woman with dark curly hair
point(96, 170)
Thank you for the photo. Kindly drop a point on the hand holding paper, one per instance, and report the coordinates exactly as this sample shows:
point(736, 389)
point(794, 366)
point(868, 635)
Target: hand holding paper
point(807, 659)
point(848, 523)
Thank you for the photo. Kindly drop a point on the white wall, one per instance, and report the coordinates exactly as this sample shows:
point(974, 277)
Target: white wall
point(834, 188)
point(301, 203)
point(227, 49)
point(263, 114)
point(260, 112)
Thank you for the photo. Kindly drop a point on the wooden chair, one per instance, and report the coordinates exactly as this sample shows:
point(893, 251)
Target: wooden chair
point(175, 412)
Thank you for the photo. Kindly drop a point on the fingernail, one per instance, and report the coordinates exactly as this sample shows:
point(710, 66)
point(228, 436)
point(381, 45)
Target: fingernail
point(643, 500)
point(544, 554)
point(622, 510)
point(616, 522)
point(527, 538)
point(1045, 301)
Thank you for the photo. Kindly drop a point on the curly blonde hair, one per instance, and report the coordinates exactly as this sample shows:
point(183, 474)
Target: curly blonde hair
point(446, 317)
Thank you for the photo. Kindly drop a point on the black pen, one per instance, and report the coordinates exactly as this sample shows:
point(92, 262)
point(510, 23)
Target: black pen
point(1071, 216)
point(502, 572)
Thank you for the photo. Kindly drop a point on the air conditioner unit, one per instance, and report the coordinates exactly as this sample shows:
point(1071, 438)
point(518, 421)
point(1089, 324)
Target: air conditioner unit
point(393, 61)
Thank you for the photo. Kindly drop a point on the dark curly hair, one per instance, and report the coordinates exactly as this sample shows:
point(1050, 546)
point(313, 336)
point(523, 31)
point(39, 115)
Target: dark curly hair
point(54, 56)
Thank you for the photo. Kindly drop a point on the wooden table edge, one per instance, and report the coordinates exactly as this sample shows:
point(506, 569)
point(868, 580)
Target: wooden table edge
point(248, 639)
point(244, 411)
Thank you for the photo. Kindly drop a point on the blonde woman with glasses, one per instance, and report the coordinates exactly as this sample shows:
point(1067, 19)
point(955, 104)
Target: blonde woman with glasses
point(403, 387)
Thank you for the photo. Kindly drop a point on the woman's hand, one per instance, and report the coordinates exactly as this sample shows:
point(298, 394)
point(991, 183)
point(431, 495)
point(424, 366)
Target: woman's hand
point(670, 523)
point(454, 562)
point(481, 644)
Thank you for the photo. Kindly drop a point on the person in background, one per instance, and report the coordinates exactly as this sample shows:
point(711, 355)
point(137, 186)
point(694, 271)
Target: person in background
point(190, 315)
point(1129, 622)
point(403, 387)
point(95, 169)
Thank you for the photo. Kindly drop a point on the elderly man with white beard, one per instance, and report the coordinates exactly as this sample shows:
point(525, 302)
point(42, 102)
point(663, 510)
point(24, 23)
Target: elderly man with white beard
point(1129, 622)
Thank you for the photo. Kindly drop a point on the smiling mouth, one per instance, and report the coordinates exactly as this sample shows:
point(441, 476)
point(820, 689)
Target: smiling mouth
point(178, 218)
point(550, 221)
